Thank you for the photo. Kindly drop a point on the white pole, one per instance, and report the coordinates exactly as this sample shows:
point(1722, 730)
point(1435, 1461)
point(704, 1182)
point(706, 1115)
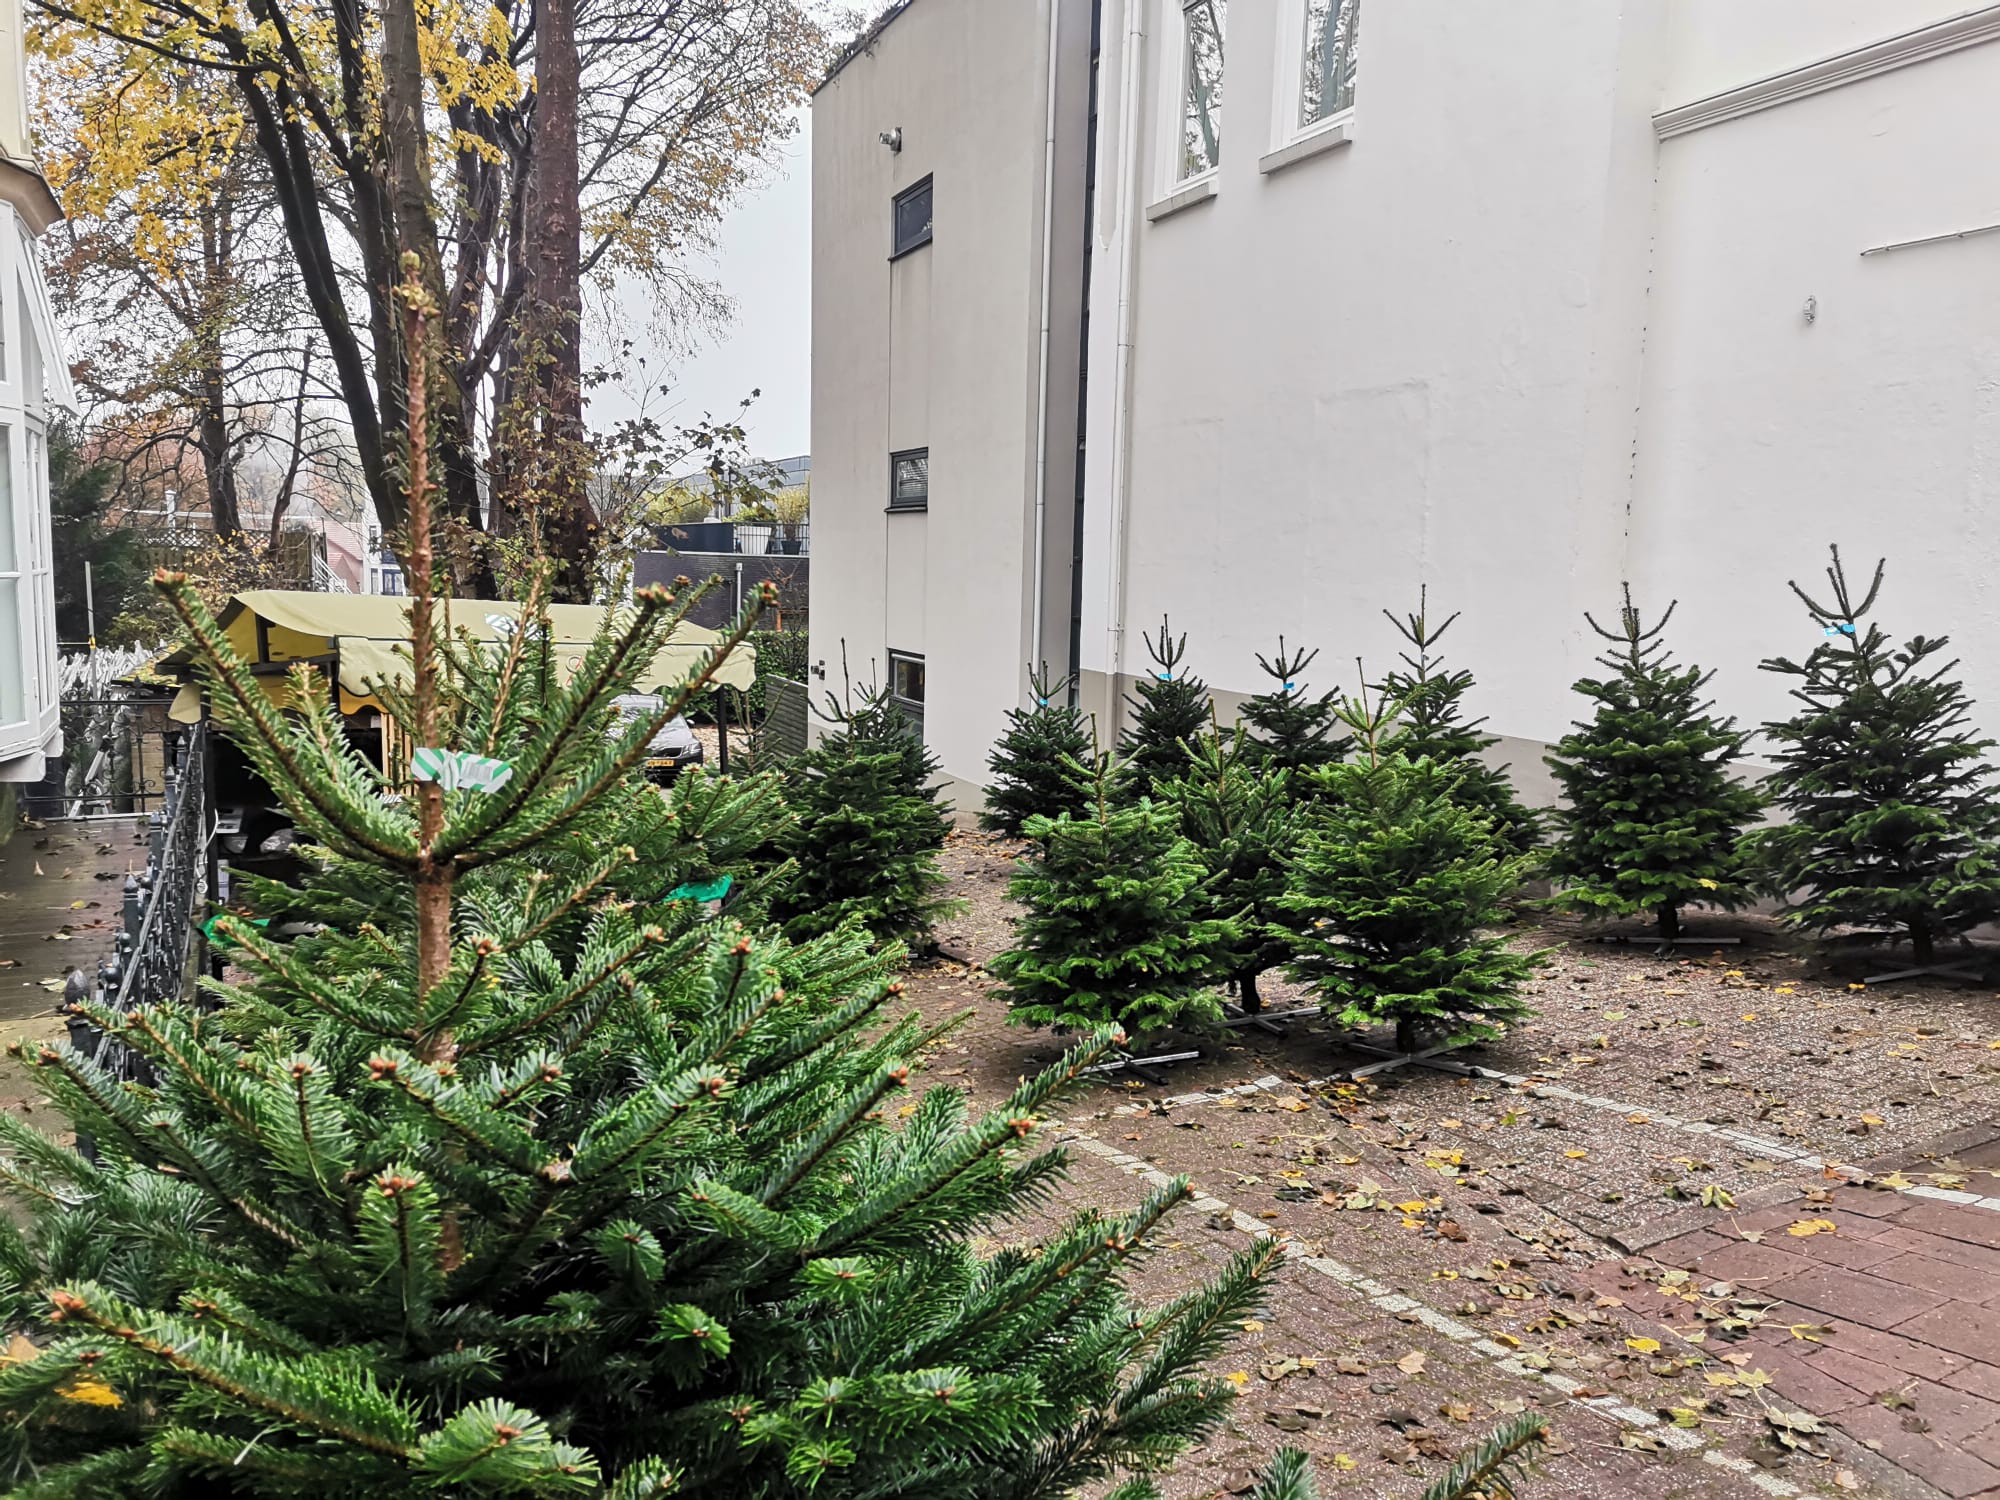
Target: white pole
point(89, 606)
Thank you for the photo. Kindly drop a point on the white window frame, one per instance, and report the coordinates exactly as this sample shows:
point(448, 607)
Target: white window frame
point(1175, 191)
point(1290, 140)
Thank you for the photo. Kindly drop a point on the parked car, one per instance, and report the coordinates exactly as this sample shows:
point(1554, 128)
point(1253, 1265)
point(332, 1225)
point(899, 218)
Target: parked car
point(673, 747)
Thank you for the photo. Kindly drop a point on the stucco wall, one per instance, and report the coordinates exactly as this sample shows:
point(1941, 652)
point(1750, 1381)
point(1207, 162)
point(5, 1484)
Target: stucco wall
point(1509, 344)
point(941, 348)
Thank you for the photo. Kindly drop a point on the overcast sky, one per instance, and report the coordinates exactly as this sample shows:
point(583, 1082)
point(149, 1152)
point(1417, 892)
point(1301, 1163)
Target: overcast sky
point(764, 263)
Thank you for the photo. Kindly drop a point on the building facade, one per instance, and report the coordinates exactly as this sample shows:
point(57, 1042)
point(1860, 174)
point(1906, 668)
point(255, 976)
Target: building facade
point(33, 374)
point(1512, 304)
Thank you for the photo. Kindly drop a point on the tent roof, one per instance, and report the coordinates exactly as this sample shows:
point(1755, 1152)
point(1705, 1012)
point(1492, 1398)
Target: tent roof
point(365, 630)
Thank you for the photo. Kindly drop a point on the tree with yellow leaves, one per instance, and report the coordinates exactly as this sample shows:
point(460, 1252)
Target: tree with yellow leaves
point(378, 127)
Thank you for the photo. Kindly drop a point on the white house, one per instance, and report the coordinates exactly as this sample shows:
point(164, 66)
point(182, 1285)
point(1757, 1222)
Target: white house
point(33, 373)
point(1514, 302)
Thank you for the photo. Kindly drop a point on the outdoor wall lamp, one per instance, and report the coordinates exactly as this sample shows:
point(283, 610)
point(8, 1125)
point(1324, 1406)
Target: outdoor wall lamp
point(893, 139)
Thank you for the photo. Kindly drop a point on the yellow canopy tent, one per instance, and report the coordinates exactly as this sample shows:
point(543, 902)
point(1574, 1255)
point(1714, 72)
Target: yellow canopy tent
point(357, 635)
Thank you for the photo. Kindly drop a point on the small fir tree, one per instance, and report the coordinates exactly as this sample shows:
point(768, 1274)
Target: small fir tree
point(1114, 931)
point(1286, 726)
point(1168, 715)
point(525, 1188)
point(1035, 763)
point(1892, 824)
point(1242, 817)
point(866, 829)
point(1654, 821)
point(1432, 727)
point(1395, 877)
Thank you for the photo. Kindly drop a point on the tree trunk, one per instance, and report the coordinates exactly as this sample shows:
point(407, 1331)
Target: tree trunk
point(1246, 992)
point(413, 229)
point(551, 374)
point(1923, 947)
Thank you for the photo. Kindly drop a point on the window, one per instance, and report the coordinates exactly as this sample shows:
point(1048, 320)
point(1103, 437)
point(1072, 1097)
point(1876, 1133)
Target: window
point(1201, 86)
point(910, 479)
point(14, 599)
point(1327, 88)
point(906, 687)
point(911, 219)
point(389, 580)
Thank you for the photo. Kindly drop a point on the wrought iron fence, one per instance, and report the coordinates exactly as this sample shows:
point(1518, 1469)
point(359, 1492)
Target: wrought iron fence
point(150, 961)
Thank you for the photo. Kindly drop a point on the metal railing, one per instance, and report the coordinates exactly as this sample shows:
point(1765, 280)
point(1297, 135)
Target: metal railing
point(150, 961)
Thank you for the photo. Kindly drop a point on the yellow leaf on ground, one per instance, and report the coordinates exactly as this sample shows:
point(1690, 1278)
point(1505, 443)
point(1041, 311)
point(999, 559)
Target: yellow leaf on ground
point(1414, 1206)
point(1342, 1461)
point(1807, 1227)
point(1251, 1325)
point(1238, 1377)
point(1644, 1346)
point(1873, 1119)
point(1576, 1155)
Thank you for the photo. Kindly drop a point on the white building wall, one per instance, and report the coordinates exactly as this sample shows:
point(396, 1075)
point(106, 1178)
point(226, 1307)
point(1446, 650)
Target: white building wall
point(1510, 344)
point(1538, 326)
point(941, 349)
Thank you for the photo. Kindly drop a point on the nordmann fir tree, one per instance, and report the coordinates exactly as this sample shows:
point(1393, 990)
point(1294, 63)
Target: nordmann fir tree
point(1286, 726)
point(866, 828)
point(1035, 762)
point(1117, 930)
point(529, 1191)
point(1432, 727)
point(1168, 715)
point(1393, 880)
point(1242, 817)
point(1654, 820)
point(1891, 822)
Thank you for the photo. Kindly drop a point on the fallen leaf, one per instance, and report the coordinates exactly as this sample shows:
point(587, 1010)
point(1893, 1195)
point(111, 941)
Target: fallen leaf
point(1238, 1377)
point(1805, 1228)
point(1644, 1346)
point(1251, 1325)
point(1413, 1362)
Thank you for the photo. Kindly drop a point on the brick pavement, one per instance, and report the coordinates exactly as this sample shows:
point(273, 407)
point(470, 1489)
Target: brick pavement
point(1897, 1312)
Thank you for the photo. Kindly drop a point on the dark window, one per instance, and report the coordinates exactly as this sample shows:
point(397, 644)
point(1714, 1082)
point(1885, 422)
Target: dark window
point(912, 216)
point(910, 479)
point(906, 687)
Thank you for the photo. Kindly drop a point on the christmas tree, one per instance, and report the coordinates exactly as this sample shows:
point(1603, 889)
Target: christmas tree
point(1654, 819)
point(1392, 881)
point(867, 825)
point(1168, 715)
point(528, 1189)
point(1286, 726)
point(1892, 824)
point(1115, 932)
point(1432, 728)
point(1242, 817)
point(1036, 763)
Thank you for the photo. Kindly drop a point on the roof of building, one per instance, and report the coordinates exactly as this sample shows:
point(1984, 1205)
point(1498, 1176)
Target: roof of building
point(864, 41)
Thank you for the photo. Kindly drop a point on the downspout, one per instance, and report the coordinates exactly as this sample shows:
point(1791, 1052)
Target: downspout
point(1132, 105)
point(1039, 585)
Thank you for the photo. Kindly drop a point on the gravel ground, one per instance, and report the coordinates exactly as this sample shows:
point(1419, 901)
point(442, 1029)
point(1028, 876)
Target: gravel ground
point(1486, 1202)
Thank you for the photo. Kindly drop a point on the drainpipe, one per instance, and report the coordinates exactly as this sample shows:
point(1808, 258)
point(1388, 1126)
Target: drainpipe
point(1132, 105)
point(1054, 8)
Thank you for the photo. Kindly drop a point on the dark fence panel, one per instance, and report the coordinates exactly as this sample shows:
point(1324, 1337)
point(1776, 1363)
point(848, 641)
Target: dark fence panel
point(150, 961)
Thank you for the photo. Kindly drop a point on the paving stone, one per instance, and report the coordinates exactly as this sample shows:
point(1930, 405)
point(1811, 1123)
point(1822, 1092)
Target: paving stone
point(1873, 1203)
point(1961, 1283)
point(1938, 1462)
point(1971, 1331)
point(1865, 1377)
point(1845, 1249)
point(1975, 1226)
point(1952, 1413)
point(1763, 1268)
point(1939, 1247)
point(1896, 1351)
point(1800, 1383)
point(1856, 1297)
point(1981, 1380)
